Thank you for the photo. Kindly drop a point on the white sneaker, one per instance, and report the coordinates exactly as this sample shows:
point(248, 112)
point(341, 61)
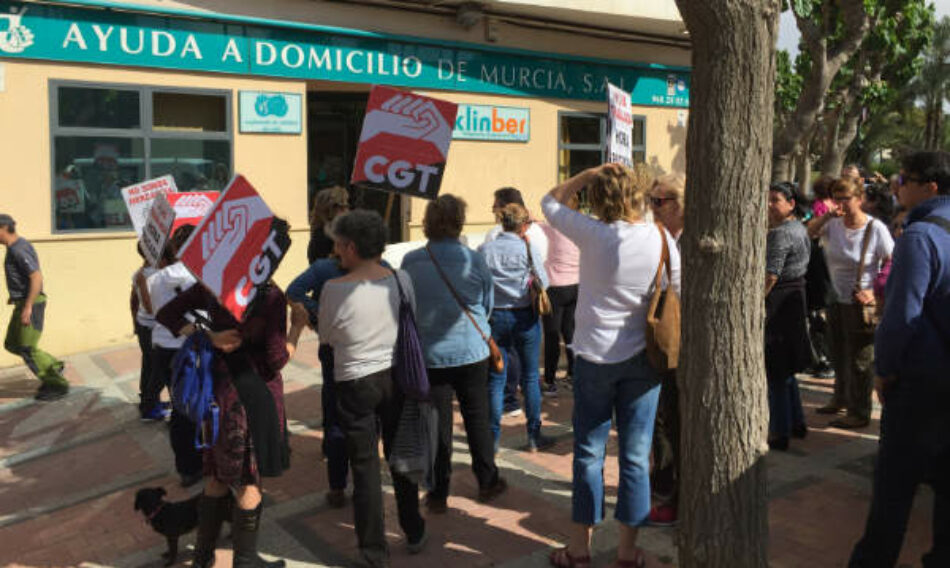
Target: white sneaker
point(514, 413)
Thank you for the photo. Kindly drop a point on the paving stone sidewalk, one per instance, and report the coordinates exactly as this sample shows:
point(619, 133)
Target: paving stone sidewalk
point(69, 471)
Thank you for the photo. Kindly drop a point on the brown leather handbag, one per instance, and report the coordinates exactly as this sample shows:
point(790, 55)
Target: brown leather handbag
point(540, 301)
point(663, 316)
point(495, 359)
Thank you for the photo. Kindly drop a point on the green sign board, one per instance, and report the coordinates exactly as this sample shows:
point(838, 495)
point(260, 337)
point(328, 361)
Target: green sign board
point(112, 37)
point(279, 113)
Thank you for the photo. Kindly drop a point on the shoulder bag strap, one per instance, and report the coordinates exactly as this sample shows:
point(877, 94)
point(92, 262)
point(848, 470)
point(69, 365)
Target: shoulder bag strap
point(937, 220)
point(531, 268)
point(864, 250)
point(402, 294)
point(658, 281)
point(454, 293)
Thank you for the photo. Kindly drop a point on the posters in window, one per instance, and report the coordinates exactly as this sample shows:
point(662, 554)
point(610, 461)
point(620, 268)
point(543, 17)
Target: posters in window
point(158, 225)
point(138, 198)
point(404, 143)
point(235, 249)
point(619, 127)
point(191, 206)
point(71, 192)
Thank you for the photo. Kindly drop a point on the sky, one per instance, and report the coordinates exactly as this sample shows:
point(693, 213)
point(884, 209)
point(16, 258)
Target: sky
point(788, 33)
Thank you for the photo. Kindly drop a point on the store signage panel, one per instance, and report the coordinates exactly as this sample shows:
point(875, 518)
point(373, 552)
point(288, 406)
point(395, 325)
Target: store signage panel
point(280, 113)
point(60, 33)
point(495, 123)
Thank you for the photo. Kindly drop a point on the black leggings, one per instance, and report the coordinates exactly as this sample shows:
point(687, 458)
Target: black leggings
point(559, 324)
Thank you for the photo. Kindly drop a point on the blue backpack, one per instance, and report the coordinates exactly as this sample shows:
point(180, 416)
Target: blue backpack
point(193, 386)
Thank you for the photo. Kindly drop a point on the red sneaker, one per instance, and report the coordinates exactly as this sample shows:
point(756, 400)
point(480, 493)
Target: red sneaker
point(662, 516)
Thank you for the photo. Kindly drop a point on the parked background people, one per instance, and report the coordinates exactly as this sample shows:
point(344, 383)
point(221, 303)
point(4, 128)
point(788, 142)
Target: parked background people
point(327, 204)
point(455, 352)
point(359, 318)
point(514, 323)
point(535, 234)
point(25, 287)
point(249, 391)
point(563, 261)
point(667, 201)
point(787, 350)
point(912, 355)
point(842, 231)
point(619, 258)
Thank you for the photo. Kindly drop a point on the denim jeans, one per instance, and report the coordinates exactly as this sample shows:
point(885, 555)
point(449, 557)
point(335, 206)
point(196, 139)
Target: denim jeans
point(785, 407)
point(519, 330)
point(913, 449)
point(631, 389)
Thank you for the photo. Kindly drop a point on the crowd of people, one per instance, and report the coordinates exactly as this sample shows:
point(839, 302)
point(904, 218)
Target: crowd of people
point(834, 276)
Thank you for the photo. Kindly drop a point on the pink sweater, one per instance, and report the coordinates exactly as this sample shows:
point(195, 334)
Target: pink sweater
point(563, 259)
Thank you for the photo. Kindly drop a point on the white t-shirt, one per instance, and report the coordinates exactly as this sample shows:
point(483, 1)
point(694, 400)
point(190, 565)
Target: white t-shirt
point(142, 317)
point(534, 233)
point(617, 271)
point(162, 287)
point(842, 251)
point(360, 320)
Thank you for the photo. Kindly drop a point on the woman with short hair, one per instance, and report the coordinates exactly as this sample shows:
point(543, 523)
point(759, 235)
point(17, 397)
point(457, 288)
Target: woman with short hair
point(843, 231)
point(668, 202)
point(454, 295)
point(512, 259)
point(787, 350)
point(620, 253)
point(359, 318)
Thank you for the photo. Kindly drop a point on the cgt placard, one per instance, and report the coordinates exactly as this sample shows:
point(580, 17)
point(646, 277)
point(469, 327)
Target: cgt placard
point(191, 206)
point(235, 249)
point(138, 198)
point(158, 224)
point(404, 143)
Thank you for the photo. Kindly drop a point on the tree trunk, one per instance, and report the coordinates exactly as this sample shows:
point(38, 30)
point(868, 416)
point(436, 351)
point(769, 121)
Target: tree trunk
point(837, 144)
point(804, 171)
point(723, 505)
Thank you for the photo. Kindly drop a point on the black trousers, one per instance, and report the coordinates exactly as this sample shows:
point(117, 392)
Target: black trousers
point(664, 479)
point(181, 430)
point(557, 325)
point(470, 385)
point(144, 335)
point(914, 449)
point(362, 404)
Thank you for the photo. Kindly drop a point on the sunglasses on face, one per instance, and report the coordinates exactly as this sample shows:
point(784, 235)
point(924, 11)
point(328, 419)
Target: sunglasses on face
point(659, 201)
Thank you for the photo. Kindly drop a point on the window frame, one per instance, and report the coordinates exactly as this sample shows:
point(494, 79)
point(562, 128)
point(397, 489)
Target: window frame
point(146, 132)
point(602, 147)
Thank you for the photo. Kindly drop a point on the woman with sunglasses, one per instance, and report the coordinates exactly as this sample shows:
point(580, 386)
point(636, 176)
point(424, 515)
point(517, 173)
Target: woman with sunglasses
point(667, 202)
point(842, 231)
point(787, 350)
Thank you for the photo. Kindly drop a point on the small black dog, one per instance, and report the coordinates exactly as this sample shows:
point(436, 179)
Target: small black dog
point(171, 520)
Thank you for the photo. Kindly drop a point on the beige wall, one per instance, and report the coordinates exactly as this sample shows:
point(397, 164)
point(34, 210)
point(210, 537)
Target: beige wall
point(87, 276)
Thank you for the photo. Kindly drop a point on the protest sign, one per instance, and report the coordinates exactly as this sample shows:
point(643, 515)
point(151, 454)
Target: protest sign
point(158, 225)
point(235, 248)
point(619, 127)
point(191, 206)
point(404, 143)
point(70, 192)
point(138, 198)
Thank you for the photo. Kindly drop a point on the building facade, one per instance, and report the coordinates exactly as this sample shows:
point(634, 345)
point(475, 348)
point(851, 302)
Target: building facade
point(96, 95)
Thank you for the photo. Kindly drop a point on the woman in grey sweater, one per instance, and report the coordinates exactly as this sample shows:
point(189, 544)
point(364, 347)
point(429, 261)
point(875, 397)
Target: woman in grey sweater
point(787, 350)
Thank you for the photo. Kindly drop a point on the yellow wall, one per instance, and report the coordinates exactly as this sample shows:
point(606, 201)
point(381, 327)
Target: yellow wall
point(87, 276)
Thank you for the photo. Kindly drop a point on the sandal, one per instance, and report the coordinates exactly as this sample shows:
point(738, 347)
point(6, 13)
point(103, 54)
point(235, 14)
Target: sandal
point(561, 558)
point(639, 562)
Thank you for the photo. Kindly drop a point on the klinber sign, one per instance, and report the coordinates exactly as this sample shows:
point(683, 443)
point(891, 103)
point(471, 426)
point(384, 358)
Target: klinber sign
point(404, 143)
point(494, 123)
point(235, 249)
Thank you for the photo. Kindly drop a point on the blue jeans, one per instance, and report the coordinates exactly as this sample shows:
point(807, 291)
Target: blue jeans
point(519, 330)
point(785, 407)
point(631, 389)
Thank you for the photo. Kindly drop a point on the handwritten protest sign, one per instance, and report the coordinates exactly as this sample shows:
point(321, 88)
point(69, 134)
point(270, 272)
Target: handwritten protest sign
point(158, 225)
point(404, 143)
point(619, 127)
point(138, 198)
point(235, 249)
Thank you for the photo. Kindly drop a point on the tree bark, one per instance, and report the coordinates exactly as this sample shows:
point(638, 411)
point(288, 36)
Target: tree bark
point(723, 506)
point(826, 61)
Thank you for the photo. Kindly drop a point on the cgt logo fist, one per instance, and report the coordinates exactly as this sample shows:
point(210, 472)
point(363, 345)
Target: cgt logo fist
point(410, 117)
